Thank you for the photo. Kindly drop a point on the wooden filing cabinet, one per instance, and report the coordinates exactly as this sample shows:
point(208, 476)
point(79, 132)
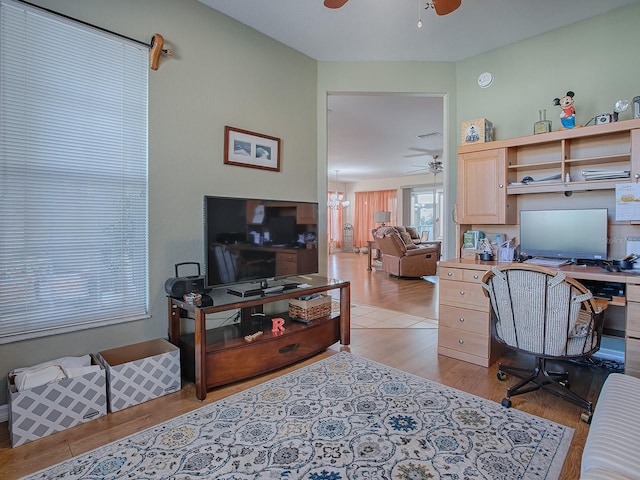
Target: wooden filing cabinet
point(286, 263)
point(632, 331)
point(464, 330)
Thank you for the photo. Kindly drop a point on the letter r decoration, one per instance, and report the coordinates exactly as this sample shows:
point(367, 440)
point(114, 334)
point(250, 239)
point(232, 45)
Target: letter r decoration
point(277, 325)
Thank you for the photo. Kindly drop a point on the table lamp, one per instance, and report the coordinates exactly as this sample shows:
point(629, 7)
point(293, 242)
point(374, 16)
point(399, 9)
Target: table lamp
point(381, 217)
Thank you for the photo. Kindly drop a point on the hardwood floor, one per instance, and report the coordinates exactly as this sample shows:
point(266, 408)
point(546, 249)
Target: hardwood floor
point(411, 350)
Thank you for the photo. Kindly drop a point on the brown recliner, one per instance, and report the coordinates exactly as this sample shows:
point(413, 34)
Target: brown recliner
point(403, 258)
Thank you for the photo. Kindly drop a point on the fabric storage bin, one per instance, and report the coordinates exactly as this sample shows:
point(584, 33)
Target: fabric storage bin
point(140, 372)
point(310, 309)
point(55, 406)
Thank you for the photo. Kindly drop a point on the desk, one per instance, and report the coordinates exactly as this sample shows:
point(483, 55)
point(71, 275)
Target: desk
point(221, 355)
point(465, 321)
point(286, 260)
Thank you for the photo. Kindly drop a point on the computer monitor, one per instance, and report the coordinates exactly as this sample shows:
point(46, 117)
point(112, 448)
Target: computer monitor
point(579, 234)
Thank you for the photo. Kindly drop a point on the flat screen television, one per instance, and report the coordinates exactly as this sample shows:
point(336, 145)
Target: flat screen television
point(579, 234)
point(252, 239)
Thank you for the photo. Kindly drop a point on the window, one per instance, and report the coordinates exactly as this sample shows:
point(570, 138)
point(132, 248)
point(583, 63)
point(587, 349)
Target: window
point(427, 208)
point(73, 175)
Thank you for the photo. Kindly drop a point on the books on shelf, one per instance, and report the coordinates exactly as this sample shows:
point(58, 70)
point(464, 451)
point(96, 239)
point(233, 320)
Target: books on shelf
point(530, 180)
point(600, 174)
point(588, 175)
point(471, 239)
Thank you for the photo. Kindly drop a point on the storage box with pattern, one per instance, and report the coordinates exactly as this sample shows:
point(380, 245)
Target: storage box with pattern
point(140, 372)
point(55, 406)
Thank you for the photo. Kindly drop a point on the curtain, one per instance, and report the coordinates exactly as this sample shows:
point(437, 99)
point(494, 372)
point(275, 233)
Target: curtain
point(335, 219)
point(366, 203)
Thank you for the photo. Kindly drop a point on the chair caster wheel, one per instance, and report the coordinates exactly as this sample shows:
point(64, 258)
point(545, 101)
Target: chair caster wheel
point(506, 402)
point(501, 376)
point(586, 417)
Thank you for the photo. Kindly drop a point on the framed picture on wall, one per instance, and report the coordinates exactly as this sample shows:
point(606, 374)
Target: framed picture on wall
point(250, 149)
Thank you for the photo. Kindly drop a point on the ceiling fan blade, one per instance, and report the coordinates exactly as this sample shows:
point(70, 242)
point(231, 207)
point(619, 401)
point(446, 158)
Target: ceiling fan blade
point(444, 7)
point(430, 134)
point(430, 151)
point(334, 3)
point(423, 152)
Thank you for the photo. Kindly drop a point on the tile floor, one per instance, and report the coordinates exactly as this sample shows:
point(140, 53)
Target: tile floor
point(367, 316)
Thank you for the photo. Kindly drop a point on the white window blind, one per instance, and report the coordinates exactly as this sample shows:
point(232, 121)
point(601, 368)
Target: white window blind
point(73, 176)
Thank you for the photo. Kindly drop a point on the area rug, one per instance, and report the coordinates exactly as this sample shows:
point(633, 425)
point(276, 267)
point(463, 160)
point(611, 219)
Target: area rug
point(340, 418)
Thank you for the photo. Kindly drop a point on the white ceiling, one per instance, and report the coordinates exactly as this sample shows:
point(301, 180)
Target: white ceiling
point(374, 136)
point(370, 135)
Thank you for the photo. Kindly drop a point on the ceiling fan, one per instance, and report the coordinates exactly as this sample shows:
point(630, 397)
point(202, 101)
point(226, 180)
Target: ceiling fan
point(435, 167)
point(442, 7)
point(423, 152)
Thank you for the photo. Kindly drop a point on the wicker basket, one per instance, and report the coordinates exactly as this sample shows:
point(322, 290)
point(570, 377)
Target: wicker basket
point(310, 309)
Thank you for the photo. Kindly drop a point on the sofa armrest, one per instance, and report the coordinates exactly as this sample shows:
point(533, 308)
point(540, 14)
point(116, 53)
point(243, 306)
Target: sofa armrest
point(613, 441)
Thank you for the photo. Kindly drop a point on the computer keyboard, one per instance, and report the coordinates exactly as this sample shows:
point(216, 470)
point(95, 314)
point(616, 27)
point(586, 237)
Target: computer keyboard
point(547, 262)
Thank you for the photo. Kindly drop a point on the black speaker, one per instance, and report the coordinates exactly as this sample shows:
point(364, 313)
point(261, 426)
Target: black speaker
point(179, 286)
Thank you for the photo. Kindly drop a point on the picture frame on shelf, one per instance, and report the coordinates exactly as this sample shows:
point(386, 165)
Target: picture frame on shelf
point(249, 149)
point(476, 131)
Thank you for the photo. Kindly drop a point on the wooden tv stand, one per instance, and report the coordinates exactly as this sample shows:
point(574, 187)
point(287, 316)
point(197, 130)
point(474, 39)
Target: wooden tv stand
point(222, 355)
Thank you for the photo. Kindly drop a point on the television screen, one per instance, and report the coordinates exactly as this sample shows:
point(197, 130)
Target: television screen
point(567, 234)
point(248, 239)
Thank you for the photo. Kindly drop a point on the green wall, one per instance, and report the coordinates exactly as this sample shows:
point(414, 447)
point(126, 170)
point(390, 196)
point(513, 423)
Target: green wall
point(223, 73)
point(597, 58)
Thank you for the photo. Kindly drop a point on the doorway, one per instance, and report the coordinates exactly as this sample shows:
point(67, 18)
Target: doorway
point(388, 141)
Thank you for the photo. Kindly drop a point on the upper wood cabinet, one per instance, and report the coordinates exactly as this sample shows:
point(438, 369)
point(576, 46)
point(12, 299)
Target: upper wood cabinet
point(490, 174)
point(307, 213)
point(482, 188)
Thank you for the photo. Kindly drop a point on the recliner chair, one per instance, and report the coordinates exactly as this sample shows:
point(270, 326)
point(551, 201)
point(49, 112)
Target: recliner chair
point(406, 259)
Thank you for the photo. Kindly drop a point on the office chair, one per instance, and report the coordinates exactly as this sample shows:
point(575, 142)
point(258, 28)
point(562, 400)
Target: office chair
point(544, 313)
point(232, 267)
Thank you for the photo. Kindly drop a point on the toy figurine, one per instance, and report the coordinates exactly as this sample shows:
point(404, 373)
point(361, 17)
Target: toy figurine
point(568, 114)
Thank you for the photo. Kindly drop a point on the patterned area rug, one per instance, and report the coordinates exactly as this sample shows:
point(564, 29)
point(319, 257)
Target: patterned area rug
point(343, 417)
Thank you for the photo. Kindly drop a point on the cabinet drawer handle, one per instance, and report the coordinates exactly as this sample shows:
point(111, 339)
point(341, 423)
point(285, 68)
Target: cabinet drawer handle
point(501, 186)
point(289, 348)
point(475, 276)
point(449, 274)
point(461, 341)
point(461, 292)
point(461, 319)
